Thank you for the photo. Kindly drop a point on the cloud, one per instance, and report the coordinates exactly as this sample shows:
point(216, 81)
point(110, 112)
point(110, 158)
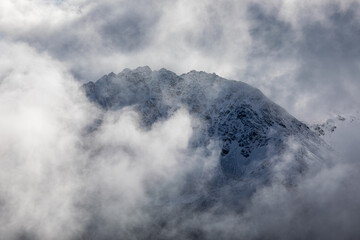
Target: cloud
point(122, 181)
point(42, 117)
point(132, 171)
point(307, 62)
point(299, 53)
point(60, 182)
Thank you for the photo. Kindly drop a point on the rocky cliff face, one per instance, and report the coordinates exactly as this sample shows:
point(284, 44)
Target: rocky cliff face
point(253, 132)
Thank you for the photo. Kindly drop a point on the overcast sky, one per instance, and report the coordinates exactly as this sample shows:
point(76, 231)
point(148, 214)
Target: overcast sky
point(58, 183)
point(304, 55)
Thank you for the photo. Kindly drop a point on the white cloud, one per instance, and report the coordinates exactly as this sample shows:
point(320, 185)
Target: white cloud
point(43, 113)
point(57, 183)
point(269, 45)
point(57, 180)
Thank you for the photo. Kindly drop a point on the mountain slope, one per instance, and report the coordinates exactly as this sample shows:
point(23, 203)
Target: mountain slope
point(253, 133)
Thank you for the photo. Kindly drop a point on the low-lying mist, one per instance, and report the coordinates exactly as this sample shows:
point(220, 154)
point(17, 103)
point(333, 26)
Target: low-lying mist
point(120, 181)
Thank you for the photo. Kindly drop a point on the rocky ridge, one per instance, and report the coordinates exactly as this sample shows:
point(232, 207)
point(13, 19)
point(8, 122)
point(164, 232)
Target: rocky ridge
point(253, 132)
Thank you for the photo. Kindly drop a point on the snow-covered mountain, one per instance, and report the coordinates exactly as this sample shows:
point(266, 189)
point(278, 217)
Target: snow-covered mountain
point(254, 133)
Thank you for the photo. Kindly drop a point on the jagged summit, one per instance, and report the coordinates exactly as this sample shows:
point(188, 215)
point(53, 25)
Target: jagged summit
point(252, 131)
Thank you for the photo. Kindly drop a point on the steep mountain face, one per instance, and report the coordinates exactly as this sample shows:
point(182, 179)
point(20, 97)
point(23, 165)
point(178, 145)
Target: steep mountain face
point(253, 132)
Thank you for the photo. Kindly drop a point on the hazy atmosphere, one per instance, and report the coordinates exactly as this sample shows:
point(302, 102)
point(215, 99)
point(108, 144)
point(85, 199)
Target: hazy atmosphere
point(61, 179)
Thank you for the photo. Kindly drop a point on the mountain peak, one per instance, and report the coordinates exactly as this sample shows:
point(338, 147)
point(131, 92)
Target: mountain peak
point(247, 126)
point(145, 69)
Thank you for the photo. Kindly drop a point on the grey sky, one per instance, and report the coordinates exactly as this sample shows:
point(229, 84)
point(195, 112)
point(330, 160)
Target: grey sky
point(302, 54)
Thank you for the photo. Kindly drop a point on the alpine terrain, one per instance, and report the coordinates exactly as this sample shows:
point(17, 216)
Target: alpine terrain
point(253, 133)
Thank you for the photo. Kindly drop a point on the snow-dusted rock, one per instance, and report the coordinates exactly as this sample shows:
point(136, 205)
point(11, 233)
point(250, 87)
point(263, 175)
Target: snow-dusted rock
point(253, 132)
